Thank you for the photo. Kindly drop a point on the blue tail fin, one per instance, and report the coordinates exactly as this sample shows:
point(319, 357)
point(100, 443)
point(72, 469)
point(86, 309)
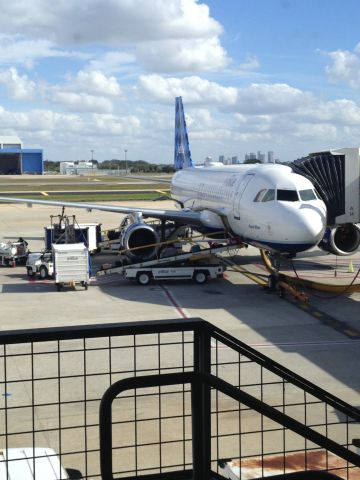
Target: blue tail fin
point(182, 155)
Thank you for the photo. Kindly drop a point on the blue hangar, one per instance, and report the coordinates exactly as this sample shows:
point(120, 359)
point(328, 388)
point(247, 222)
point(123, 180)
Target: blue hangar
point(16, 160)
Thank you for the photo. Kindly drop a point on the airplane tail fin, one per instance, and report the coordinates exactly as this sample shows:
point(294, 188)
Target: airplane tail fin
point(182, 154)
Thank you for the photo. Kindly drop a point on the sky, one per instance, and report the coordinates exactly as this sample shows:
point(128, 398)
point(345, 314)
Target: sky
point(254, 75)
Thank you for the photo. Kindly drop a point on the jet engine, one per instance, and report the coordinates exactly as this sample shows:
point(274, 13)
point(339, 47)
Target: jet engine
point(341, 240)
point(139, 238)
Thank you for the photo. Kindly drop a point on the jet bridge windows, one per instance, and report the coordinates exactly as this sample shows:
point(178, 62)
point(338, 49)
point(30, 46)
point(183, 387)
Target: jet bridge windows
point(266, 195)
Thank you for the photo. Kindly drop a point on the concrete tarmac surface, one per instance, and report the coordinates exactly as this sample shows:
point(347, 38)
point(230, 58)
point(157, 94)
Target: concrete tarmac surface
point(276, 327)
point(236, 304)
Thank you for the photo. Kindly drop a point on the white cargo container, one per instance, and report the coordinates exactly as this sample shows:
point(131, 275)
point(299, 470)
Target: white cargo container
point(71, 265)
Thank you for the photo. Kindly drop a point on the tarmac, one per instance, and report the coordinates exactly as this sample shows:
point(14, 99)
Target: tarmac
point(319, 340)
point(281, 328)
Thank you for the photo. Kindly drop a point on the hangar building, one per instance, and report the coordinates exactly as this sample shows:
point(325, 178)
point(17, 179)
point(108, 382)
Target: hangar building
point(15, 160)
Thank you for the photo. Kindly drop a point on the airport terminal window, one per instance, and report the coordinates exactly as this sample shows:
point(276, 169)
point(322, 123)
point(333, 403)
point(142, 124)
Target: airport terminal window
point(287, 195)
point(308, 194)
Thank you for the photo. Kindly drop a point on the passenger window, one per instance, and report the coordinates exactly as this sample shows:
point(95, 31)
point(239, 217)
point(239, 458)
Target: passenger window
point(307, 195)
point(269, 196)
point(287, 196)
point(259, 197)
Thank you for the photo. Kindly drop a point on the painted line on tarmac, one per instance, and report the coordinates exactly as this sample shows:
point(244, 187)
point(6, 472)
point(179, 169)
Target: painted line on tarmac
point(252, 276)
point(328, 320)
point(172, 300)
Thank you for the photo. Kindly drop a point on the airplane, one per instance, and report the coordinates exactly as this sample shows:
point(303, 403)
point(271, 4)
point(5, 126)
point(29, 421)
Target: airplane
point(264, 205)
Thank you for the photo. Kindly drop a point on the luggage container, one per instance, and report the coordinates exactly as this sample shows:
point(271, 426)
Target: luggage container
point(71, 265)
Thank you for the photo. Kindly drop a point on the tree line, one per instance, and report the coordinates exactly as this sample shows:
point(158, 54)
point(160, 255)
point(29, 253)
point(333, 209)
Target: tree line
point(133, 166)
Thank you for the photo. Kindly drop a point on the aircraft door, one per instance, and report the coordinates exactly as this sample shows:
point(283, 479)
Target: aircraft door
point(239, 193)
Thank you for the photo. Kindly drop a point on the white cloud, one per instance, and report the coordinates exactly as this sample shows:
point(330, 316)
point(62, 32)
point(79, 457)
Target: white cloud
point(17, 50)
point(338, 112)
point(113, 125)
point(270, 98)
point(81, 102)
point(96, 82)
point(117, 22)
point(18, 87)
point(45, 124)
point(345, 67)
point(186, 55)
point(171, 35)
point(193, 89)
point(113, 62)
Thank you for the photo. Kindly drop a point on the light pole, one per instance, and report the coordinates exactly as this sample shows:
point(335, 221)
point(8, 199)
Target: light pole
point(92, 160)
point(125, 152)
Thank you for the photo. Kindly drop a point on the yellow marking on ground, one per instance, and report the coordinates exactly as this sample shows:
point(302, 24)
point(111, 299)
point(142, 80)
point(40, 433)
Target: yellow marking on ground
point(247, 274)
point(352, 333)
point(162, 192)
point(318, 314)
point(45, 194)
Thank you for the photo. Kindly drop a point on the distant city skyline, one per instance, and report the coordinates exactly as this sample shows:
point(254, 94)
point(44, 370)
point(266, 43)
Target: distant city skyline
point(234, 159)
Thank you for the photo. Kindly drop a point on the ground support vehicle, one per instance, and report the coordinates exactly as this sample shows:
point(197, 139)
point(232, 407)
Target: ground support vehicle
point(19, 464)
point(13, 253)
point(71, 265)
point(198, 266)
point(40, 263)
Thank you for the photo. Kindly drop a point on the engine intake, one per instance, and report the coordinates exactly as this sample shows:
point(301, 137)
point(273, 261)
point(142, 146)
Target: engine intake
point(140, 240)
point(341, 240)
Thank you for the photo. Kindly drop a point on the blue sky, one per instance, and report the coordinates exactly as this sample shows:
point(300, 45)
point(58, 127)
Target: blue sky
point(281, 75)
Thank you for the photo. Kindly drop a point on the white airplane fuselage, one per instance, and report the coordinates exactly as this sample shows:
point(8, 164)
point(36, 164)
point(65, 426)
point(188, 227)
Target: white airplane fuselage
point(267, 205)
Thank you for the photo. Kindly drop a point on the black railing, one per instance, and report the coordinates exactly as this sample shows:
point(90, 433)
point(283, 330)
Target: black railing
point(198, 396)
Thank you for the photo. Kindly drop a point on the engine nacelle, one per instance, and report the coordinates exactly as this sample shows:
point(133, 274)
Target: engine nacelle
point(341, 240)
point(141, 240)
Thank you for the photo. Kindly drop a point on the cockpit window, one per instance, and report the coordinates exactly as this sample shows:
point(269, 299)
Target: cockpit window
point(260, 196)
point(287, 196)
point(307, 195)
point(269, 196)
point(265, 196)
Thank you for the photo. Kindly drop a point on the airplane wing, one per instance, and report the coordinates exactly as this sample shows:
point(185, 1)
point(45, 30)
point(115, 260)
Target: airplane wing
point(186, 217)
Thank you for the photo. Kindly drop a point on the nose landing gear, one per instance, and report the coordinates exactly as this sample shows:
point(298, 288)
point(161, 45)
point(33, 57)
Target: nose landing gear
point(280, 283)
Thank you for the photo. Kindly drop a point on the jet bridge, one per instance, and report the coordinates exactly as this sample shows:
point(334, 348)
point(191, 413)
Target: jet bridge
point(336, 176)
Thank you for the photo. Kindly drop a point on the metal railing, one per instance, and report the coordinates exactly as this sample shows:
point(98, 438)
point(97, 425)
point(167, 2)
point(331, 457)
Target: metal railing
point(194, 398)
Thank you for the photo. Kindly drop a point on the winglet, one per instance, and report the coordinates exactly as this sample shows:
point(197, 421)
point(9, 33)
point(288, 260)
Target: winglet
point(182, 155)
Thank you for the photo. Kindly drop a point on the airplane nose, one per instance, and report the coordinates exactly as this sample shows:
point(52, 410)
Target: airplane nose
point(311, 225)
